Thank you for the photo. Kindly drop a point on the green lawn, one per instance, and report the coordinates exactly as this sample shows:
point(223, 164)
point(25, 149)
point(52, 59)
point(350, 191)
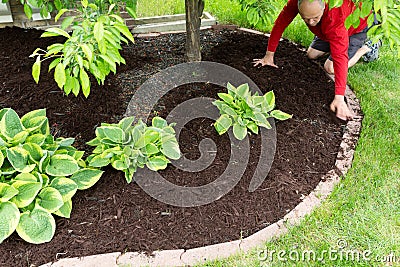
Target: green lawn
point(364, 209)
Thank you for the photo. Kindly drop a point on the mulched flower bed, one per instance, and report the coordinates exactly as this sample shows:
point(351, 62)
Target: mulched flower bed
point(116, 216)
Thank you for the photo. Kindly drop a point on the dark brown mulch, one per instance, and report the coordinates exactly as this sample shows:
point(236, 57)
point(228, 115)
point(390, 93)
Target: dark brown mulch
point(116, 216)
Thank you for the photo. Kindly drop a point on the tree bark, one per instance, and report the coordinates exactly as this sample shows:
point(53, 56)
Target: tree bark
point(194, 11)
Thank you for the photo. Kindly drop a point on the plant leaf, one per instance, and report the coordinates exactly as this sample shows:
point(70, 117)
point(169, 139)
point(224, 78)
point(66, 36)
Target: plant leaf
point(10, 124)
point(55, 32)
point(9, 218)
point(85, 82)
point(120, 165)
point(147, 138)
point(171, 149)
point(125, 31)
point(157, 163)
point(88, 52)
point(65, 210)
point(27, 119)
point(19, 138)
point(27, 177)
point(67, 22)
point(50, 199)
point(126, 122)
point(159, 122)
point(36, 138)
point(98, 31)
point(151, 149)
point(59, 75)
point(28, 11)
point(59, 14)
point(223, 124)
point(27, 192)
point(61, 165)
point(110, 62)
point(34, 150)
point(58, 4)
point(66, 187)
point(7, 192)
point(36, 227)
point(226, 97)
point(243, 90)
point(131, 12)
point(113, 133)
point(280, 115)
point(270, 102)
point(129, 174)
point(239, 131)
point(99, 162)
point(18, 157)
point(86, 178)
point(253, 127)
point(261, 120)
point(36, 69)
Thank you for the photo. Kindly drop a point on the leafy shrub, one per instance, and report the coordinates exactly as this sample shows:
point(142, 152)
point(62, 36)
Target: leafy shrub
point(48, 6)
point(128, 146)
point(93, 47)
point(242, 110)
point(38, 176)
point(259, 12)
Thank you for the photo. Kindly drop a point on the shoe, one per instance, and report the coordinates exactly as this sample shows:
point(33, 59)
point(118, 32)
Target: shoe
point(374, 53)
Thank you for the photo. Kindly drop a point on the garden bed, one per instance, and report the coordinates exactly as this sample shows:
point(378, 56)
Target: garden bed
point(116, 216)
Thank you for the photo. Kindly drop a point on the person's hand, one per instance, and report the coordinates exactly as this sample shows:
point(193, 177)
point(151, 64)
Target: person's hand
point(268, 59)
point(341, 109)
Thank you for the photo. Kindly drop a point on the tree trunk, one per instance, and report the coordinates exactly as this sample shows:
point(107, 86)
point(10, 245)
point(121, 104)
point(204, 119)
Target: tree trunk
point(194, 11)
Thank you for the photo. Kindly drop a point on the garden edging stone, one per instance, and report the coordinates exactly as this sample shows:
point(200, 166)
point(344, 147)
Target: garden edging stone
point(181, 257)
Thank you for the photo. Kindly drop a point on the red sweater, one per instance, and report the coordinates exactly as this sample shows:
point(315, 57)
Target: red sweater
point(330, 28)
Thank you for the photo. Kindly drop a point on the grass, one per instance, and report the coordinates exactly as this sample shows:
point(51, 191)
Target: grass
point(147, 8)
point(364, 209)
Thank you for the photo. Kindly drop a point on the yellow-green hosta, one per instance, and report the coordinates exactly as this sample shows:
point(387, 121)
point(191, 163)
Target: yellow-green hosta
point(128, 147)
point(243, 111)
point(38, 176)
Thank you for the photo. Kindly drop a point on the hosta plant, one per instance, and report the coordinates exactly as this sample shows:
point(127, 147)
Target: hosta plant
point(38, 176)
point(243, 111)
point(92, 47)
point(128, 147)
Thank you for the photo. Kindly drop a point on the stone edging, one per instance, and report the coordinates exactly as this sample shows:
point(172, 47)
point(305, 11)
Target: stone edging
point(181, 257)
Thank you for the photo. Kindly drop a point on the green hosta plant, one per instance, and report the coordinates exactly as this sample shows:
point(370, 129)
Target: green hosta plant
point(244, 111)
point(127, 147)
point(38, 176)
point(92, 47)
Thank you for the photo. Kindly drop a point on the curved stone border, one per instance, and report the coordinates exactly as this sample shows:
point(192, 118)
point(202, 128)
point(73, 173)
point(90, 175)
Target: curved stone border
point(181, 257)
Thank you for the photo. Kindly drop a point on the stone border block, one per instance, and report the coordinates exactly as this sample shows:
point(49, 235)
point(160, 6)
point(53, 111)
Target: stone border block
point(213, 252)
point(302, 209)
point(254, 32)
point(164, 258)
point(101, 260)
point(258, 239)
point(325, 187)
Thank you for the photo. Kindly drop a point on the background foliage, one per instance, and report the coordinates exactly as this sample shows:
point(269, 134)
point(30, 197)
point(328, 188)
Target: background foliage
point(263, 12)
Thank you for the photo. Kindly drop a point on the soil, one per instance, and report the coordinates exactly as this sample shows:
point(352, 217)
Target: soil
point(116, 216)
